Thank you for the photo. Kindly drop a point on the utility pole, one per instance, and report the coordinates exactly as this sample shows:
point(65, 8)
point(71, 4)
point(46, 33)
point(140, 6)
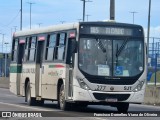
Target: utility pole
point(2, 40)
point(30, 13)
point(148, 31)
point(133, 12)
point(84, 8)
point(62, 22)
point(87, 16)
point(6, 60)
point(39, 24)
point(112, 9)
point(2, 71)
point(21, 17)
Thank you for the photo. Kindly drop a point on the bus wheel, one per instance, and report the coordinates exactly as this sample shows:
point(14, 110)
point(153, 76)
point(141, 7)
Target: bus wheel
point(30, 100)
point(39, 102)
point(62, 102)
point(122, 107)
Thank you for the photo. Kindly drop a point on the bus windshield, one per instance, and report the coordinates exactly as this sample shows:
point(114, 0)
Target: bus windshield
point(111, 57)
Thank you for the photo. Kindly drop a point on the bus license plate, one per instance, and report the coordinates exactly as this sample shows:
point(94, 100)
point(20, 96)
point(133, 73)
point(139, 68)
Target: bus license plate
point(111, 100)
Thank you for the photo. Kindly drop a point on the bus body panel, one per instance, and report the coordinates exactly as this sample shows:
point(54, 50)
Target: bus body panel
point(29, 74)
point(51, 73)
point(15, 81)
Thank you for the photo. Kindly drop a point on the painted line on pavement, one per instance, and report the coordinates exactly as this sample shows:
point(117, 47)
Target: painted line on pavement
point(28, 107)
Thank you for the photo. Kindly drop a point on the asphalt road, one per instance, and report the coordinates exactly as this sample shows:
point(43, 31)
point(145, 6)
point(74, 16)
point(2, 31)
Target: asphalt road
point(10, 102)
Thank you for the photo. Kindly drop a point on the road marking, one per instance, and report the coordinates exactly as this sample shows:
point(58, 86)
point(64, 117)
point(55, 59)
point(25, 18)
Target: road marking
point(28, 107)
point(42, 109)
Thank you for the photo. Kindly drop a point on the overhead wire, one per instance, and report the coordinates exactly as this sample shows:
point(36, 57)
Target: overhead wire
point(5, 27)
point(11, 20)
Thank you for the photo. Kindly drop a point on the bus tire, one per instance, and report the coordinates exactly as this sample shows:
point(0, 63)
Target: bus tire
point(61, 101)
point(40, 102)
point(123, 107)
point(30, 100)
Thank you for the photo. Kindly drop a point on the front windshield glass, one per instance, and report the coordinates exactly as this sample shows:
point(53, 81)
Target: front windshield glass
point(111, 57)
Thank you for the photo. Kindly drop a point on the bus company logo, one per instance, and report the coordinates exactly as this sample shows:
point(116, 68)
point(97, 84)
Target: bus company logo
point(6, 114)
point(55, 73)
point(111, 88)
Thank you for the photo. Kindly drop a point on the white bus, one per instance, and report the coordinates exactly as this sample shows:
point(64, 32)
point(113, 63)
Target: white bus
point(81, 64)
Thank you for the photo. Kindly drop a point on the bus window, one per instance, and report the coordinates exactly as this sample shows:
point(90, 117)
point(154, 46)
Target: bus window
point(50, 47)
point(32, 49)
point(14, 50)
point(25, 57)
point(61, 46)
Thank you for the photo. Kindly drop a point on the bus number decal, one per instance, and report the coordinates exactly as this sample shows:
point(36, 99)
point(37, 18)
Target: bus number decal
point(29, 70)
point(127, 87)
point(100, 88)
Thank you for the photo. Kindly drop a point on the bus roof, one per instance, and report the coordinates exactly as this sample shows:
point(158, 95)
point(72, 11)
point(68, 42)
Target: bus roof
point(46, 29)
point(68, 26)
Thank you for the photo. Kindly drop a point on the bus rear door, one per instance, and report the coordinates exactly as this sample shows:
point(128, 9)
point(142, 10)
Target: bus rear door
point(16, 65)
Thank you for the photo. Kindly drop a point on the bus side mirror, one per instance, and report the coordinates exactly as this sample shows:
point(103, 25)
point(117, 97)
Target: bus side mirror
point(74, 46)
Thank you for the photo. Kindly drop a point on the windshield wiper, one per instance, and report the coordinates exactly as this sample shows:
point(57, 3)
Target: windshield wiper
point(101, 46)
point(121, 48)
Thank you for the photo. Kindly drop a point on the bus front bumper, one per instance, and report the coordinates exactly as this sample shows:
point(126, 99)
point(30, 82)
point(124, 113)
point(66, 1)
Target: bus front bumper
point(80, 94)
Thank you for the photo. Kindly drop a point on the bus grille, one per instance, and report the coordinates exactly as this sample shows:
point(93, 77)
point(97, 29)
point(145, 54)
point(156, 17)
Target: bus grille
point(104, 96)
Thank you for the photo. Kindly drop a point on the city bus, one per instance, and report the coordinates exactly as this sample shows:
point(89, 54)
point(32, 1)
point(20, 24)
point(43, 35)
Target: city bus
point(80, 64)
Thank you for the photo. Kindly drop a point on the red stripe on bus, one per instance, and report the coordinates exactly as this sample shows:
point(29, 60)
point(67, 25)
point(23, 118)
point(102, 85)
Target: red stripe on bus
point(41, 38)
point(59, 66)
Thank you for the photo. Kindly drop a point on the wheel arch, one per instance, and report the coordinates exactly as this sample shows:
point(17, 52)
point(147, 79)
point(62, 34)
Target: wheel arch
point(59, 83)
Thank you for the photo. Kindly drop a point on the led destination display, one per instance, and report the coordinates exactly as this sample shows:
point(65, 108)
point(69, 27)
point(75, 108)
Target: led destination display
point(111, 30)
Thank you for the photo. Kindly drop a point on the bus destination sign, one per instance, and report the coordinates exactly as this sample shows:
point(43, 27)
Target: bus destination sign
point(110, 31)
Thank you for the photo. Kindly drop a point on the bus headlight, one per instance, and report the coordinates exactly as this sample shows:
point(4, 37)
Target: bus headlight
point(82, 84)
point(139, 86)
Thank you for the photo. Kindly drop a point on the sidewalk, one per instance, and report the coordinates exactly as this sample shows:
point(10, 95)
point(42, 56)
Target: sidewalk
point(4, 82)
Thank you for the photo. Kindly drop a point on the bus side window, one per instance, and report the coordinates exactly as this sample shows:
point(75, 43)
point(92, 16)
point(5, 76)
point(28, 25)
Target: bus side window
point(32, 49)
point(51, 42)
point(14, 50)
point(25, 57)
point(21, 50)
point(60, 47)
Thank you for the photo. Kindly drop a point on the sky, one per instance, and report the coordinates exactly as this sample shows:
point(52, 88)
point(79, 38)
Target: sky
point(52, 12)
